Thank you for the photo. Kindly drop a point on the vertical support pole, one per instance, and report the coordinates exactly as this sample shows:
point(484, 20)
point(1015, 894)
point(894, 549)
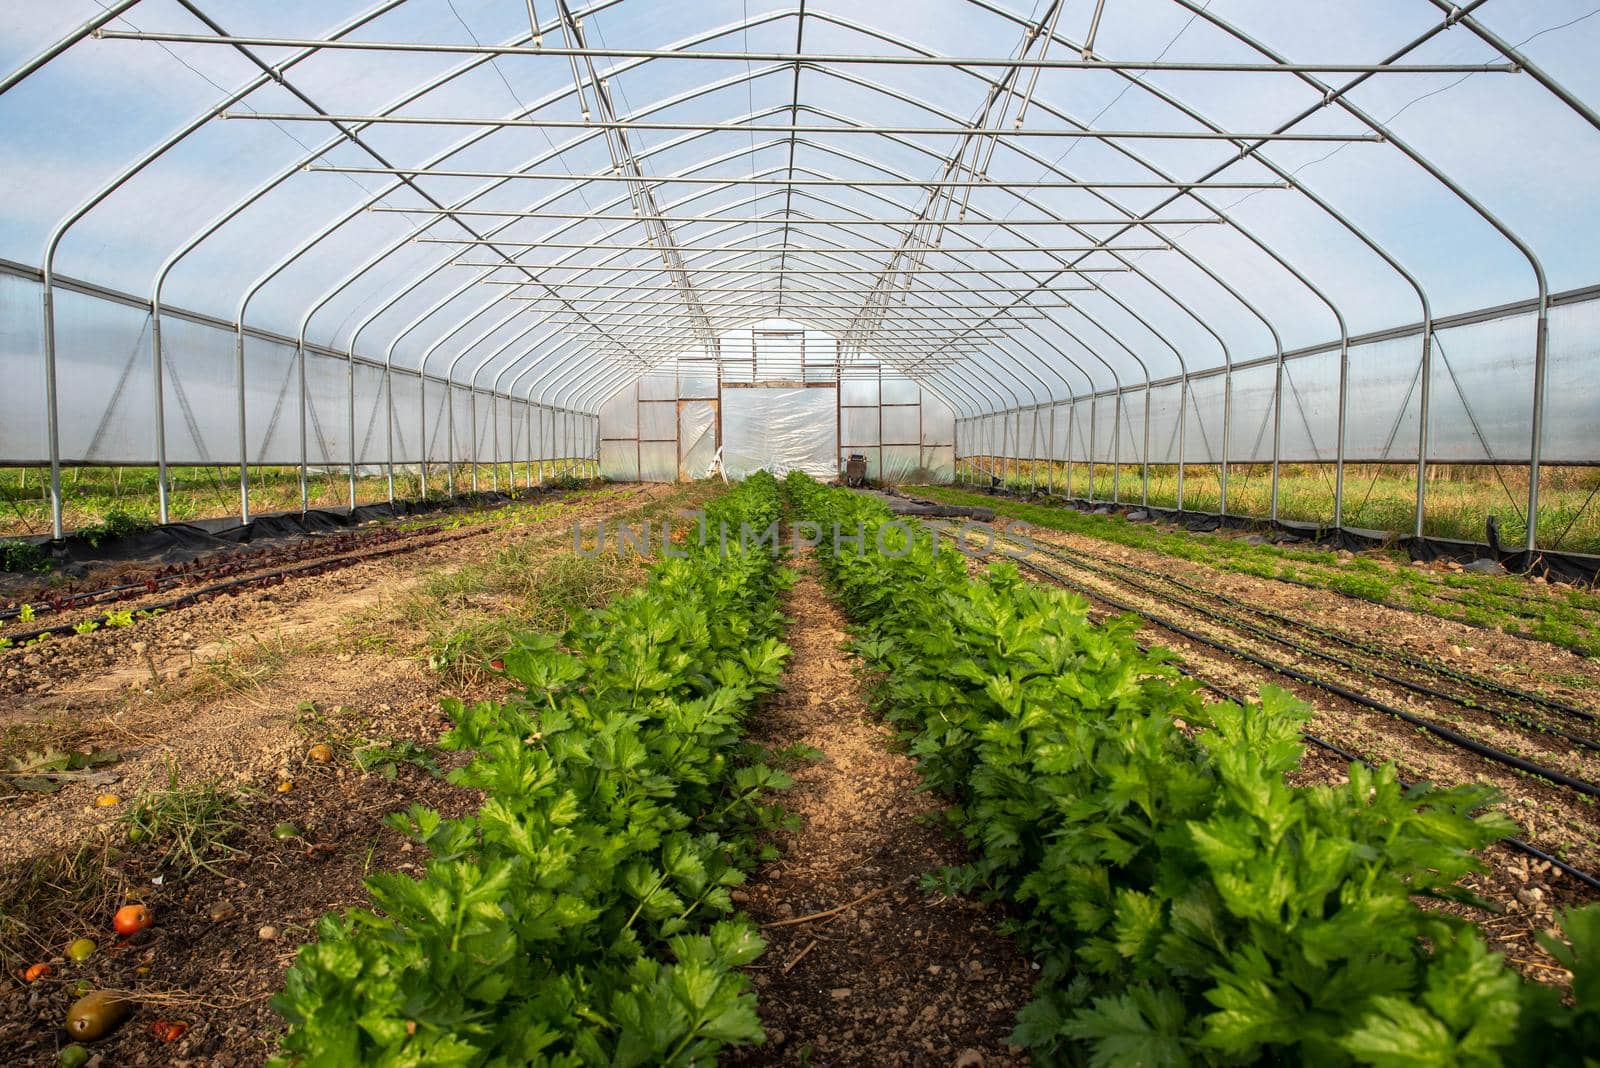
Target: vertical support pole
point(1183, 429)
point(1277, 433)
point(1116, 446)
point(494, 448)
point(1072, 414)
point(350, 420)
point(388, 427)
point(538, 411)
point(1093, 402)
point(422, 433)
point(305, 488)
point(1227, 430)
point(1033, 449)
point(1050, 447)
point(52, 410)
point(1425, 380)
point(1338, 434)
point(449, 437)
point(159, 410)
point(1144, 451)
point(1541, 349)
point(244, 441)
point(472, 429)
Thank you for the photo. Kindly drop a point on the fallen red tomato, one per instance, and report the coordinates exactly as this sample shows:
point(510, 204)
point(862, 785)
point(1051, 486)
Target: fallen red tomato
point(34, 972)
point(167, 1030)
point(131, 919)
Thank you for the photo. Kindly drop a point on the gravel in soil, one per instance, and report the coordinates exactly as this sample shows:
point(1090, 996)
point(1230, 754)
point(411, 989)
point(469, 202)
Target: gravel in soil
point(899, 976)
point(223, 937)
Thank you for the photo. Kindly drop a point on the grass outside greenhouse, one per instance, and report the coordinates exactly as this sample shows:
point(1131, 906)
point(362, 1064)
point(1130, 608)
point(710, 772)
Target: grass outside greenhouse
point(1459, 497)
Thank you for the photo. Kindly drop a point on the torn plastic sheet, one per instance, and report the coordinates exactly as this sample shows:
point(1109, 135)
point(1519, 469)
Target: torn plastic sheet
point(780, 429)
point(697, 437)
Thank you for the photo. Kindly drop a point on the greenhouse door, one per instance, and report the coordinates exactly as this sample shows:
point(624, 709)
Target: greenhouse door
point(697, 437)
point(781, 429)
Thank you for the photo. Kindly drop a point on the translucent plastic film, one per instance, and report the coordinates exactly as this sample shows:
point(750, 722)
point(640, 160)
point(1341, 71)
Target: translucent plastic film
point(779, 430)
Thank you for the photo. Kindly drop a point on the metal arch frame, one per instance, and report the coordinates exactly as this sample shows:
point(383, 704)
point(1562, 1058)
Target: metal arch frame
point(733, 81)
point(1139, 160)
point(1542, 309)
point(708, 218)
point(352, 414)
point(1329, 95)
point(59, 232)
point(1541, 337)
point(249, 199)
point(87, 28)
point(307, 244)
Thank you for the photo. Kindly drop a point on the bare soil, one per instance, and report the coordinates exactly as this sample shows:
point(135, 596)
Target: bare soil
point(896, 976)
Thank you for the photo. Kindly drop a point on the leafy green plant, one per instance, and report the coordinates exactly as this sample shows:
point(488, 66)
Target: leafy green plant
point(22, 557)
point(1186, 905)
point(385, 756)
point(583, 915)
point(115, 524)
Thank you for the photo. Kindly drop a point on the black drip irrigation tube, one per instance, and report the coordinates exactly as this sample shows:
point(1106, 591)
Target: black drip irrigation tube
point(1516, 844)
point(239, 560)
point(260, 578)
point(1580, 569)
point(1421, 664)
point(1488, 752)
point(1306, 650)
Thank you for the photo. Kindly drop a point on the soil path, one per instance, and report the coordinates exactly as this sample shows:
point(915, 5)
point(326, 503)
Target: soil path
point(903, 978)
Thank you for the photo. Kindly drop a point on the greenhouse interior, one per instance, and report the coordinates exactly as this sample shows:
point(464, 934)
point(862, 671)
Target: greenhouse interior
point(955, 532)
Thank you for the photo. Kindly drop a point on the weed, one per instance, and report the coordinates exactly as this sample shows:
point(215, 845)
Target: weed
point(187, 826)
point(44, 899)
point(116, 524)
point(22, 556)
point(385, 755)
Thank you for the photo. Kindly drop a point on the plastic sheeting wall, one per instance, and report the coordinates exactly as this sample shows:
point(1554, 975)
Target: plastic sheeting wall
point(1480, 395)
point(105, 383)
point(779, 430)
point(666, 426)
point(1480, 407)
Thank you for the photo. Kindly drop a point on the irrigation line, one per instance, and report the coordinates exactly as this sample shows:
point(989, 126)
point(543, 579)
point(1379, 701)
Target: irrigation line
point(1454, 737)
point(1508, 603)
point(212, 569)
point(1306, 650)
point(1418, 662)
point(293, 548)
point(260, 578)
point(1516, 844)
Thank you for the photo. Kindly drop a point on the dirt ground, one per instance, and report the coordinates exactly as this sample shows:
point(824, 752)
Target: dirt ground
point(231, 693)
point(895, 976)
